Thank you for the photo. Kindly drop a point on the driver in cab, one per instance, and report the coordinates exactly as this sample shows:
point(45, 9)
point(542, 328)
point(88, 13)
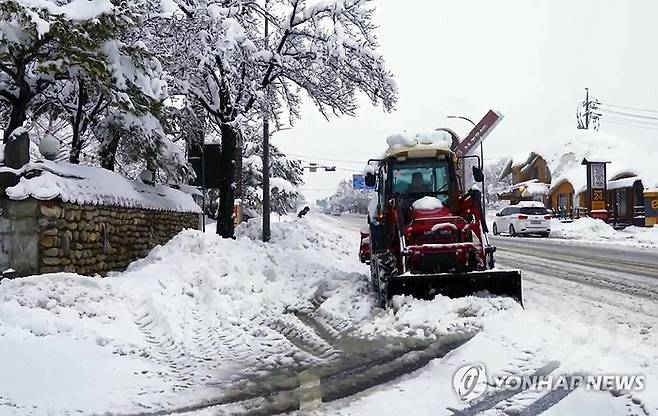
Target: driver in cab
point(418, 184)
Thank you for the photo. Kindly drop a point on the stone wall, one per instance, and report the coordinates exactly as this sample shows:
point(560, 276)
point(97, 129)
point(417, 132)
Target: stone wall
point(53, 236)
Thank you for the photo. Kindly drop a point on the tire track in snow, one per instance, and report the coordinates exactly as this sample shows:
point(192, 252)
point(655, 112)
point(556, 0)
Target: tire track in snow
point(490, 400)
point(169, 354)
point(303, 337)
point(284, 392)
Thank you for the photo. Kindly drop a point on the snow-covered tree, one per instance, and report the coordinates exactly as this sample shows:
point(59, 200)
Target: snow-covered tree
point(286, 175)
point(80, 61)
point(218, 53)
point(348, 199)
point(493, 182)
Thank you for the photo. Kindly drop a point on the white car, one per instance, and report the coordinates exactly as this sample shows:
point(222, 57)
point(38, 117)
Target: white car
point(526, 218)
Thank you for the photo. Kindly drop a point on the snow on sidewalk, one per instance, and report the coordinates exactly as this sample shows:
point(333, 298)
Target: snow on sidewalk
point(176, 325)
point(595, 230)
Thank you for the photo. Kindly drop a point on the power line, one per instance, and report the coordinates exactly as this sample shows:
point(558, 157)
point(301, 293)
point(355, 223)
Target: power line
point(630, 124)
point(621, 113)
point(360, 162)
point(629, 108)
point(627, 120)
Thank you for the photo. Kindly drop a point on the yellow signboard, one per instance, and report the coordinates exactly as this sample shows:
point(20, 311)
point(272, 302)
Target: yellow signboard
point(598, 205)
point(651, 207)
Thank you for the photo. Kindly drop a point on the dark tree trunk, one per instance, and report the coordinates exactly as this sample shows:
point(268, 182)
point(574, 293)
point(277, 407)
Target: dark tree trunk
point(18, 109)
point(227, 167)
point(108, 151)
point(76, 139)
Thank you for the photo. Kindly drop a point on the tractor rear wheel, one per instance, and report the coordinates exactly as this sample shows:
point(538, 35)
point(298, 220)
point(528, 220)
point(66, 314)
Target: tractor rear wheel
point(386, 267)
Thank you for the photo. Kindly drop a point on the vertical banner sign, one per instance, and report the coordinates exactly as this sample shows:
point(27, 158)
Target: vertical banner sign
point(596, 186)
point(479, 132)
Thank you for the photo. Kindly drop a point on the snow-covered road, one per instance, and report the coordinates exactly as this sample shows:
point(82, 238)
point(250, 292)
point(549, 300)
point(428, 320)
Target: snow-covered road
point(207, 326)
point(589, 309)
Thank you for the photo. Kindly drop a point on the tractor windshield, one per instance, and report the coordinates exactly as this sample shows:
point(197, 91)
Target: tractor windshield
point(422, 178)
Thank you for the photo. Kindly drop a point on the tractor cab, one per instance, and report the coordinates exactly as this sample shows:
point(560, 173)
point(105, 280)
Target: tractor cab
point(421, 184)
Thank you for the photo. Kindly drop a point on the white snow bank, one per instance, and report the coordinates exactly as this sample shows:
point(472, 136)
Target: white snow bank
point(582, 228)
point(87, 185)
point(427, 202)
point(590, 229)
point(173, 327)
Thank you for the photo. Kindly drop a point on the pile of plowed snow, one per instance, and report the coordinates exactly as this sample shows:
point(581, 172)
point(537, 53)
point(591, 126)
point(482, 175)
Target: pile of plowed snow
point(195, 314)
point(194, 311)
point(590, 229)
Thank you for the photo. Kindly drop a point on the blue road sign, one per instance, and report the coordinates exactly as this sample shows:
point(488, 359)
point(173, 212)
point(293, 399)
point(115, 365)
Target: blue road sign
point(359, 182)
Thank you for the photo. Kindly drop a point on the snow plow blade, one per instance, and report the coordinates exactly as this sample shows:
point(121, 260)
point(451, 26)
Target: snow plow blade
point(456, 285)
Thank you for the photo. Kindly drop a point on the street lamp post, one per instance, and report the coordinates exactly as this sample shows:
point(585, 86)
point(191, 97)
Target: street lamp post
point(484, 201)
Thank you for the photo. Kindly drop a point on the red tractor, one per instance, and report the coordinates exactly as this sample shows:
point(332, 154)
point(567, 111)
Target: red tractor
point(426, 234)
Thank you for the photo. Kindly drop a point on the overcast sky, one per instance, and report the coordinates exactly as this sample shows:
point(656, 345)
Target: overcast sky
point(530, 60)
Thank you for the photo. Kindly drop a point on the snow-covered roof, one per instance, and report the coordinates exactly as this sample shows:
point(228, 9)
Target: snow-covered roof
point(87, 185)
point(623, 183)
point(564, 156)
point(421, 144)
point(528, 188)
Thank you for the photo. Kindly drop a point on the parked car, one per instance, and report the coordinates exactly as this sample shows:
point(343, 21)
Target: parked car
point(526, 218)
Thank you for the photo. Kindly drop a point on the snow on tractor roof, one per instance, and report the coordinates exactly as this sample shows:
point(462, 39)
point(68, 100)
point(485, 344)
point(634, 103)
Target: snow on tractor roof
point(421, 144)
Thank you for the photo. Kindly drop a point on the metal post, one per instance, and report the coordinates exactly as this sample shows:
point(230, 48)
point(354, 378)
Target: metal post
point(203, 185)
point(586, 108)
point(266, 156)
point(484, 191)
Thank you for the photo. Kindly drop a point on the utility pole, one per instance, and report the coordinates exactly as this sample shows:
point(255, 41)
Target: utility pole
point(586, 108)
point(266, 153)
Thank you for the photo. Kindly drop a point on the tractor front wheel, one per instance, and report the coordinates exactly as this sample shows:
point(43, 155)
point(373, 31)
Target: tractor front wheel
point(385, 269)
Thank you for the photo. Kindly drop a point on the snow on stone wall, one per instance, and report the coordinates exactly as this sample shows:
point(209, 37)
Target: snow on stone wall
point(87, 185)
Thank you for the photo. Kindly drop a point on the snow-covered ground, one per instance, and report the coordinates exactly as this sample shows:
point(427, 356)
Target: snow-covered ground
point(200, 314)
point(594, 230)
